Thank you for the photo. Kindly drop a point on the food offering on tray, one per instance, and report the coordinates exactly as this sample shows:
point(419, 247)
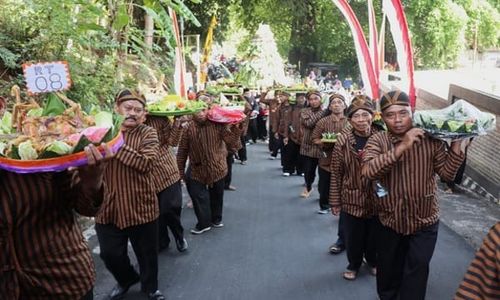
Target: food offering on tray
point(226, 90)
point(52, 138)
point(457, 121)
point(174, 105)
point(329, 137)
point(225, 115)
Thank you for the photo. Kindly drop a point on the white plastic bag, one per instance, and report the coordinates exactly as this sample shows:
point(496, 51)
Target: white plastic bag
point(457, 121)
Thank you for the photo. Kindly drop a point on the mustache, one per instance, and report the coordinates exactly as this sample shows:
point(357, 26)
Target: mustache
point(131, 118)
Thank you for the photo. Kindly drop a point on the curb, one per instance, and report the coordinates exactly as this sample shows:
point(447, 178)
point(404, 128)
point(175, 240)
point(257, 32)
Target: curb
point(473, 186)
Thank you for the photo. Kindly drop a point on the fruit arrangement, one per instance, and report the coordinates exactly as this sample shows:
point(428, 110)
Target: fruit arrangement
point(35, 139)
point(459, 120)
point(329, 137)
point(173, 105)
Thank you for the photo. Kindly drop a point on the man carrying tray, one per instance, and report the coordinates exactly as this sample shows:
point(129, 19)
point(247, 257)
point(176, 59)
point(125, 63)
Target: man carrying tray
point(131, 212)
point(167, 180)
point(42, 250)
point(205, 143)
point(403, 163)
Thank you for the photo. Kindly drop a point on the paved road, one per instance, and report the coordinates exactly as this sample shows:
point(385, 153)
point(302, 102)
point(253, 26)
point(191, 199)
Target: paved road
point(274, 246)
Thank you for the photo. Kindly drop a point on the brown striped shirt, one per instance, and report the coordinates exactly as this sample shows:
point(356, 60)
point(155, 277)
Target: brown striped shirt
point(482, 280)
point(129, 179)
point(42, 251)
point(274, 106)
point(308, 119)
point(206, 147)
point(297, 133)
point(165, 171)
point(284, 118)
point(331, 123)
point(348, 189)
point(410, 181)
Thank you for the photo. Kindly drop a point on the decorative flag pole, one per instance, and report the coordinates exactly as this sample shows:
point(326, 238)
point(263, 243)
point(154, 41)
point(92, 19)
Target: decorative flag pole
point(372, 22)
point(399, 29)
point(180, 67)
point(366, 66)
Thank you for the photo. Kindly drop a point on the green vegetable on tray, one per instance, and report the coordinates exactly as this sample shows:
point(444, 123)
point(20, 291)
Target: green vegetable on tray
point(459, 120)
point(329, 137)
point(173, 105)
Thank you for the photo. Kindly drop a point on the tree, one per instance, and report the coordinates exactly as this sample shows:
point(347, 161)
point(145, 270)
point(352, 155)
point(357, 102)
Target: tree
point(98, 38)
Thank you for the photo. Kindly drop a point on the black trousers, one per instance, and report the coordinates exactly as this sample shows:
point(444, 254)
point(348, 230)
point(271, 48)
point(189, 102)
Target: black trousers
point(274, 144)
point(229, 175)
point(296, 158)
point(144, 239)
point(286, 157)
point(261, 127)
point(324, 188)
point(310, 165)
point(252, 133)
point(170, 200)
point(89, 295)
point(242, 153)
point(360, 241)
point(403, 262)
point(207, 202)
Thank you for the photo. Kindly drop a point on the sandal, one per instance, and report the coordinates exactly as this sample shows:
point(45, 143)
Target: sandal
point(305, 193)
point(350, 275)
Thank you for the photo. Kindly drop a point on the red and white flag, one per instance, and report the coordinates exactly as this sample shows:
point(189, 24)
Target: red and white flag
point(401, 35)
point(366, 66)
point(180, 66)
point(372, 22)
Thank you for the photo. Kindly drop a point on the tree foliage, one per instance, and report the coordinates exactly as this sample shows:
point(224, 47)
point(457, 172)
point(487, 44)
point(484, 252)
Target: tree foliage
point(314, 30)
point(103, 41)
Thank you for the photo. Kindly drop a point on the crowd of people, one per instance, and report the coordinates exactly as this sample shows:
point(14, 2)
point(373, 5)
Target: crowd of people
point(380, 182)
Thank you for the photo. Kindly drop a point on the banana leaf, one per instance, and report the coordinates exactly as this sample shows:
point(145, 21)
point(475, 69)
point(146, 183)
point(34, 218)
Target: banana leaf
point(54, 106)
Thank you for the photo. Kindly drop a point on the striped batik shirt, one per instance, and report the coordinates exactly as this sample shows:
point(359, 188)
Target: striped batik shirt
point(295, 132)
point(132, 192)
point(205, 144)
point(274, 106)
point(165, 171)
point(284, 118)
point(482, 280)
point(43, 254)
point(348, 189)
point(309, 117)
point(332, 124)
point(410, 181)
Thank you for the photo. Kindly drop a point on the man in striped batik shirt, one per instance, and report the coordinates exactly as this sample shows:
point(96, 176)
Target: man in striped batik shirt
point(403, 164)
point(131, 211)
point(205, 144)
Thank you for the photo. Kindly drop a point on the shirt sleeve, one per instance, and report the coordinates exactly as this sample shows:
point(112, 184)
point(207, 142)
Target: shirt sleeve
point(337, 169)
point(446, 163)
point(309, 118)
point(143, 159)
point(376, 162)
point(182, 152)
point(85, 201)
point(317, 133)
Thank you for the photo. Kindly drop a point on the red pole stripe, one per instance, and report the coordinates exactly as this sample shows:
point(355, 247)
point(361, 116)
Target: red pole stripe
point(360, 40)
